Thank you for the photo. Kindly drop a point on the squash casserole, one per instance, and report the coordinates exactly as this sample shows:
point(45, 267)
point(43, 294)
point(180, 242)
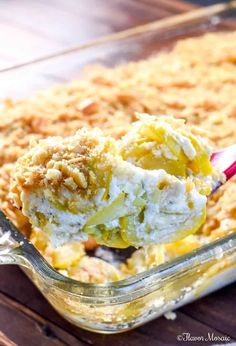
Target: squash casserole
point(150, 187)
point(195, 81)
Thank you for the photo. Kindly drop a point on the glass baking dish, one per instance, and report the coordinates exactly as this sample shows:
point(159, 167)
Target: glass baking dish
point(126, 304)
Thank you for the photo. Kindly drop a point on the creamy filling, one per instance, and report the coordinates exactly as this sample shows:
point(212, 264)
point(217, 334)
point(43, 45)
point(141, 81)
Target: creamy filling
point(142, 207)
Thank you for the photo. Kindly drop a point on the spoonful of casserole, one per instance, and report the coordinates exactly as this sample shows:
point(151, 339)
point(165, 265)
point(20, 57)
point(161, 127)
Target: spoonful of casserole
point(149, 187)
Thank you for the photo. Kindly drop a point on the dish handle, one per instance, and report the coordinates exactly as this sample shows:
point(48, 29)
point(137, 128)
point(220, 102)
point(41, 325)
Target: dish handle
point(11, 251)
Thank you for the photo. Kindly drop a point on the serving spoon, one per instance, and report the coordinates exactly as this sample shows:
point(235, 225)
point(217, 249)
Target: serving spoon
point(11, 239)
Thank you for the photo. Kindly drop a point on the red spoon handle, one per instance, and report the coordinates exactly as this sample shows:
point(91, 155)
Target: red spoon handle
point(225, 160)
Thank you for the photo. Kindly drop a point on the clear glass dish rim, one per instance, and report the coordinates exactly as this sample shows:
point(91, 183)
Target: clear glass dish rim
point(167, 270)
point(136, 285)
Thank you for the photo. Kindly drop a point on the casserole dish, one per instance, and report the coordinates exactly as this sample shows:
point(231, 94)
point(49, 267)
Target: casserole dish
point(125, 304)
